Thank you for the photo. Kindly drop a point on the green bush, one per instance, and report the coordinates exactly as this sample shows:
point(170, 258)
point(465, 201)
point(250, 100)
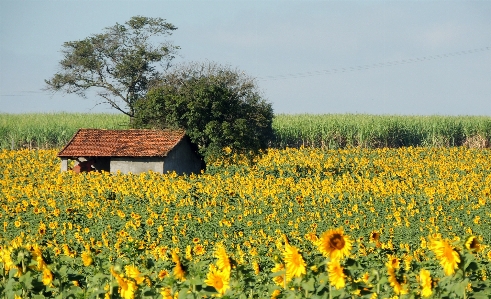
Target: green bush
point(219, 108)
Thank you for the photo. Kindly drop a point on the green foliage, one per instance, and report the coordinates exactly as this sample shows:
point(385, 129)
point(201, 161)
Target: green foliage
point(374, 131)
point(217, 106)
point(54, 130)
point(51, 130)
point(119, 63)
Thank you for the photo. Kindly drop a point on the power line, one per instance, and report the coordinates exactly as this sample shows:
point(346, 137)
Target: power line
point(325, 72)
point(371, 66)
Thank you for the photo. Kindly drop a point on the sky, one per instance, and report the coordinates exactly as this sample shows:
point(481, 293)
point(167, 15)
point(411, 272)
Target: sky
point(315, 57)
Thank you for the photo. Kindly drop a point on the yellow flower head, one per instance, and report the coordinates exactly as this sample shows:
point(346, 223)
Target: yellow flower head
point(334, 244)
point(128, 289)
point(133, 272)
point(445, 253)
point(425, 281)
point(472, 244)
point(295, 265)
point(374, 236)
point(336, 274)
point(398, 287)
point(47, 276)
point(198, 249)
point(163, 274)
point(179, 272)
point(118, 277)
point(87, 258)
point(188, 255)
point(38, 256)
point(175, 257)
point(393, 262)
point(256, 267)
point(223, 261)
point(166, 293)
point(280, 279)
point(218, 279)
point(275, 294)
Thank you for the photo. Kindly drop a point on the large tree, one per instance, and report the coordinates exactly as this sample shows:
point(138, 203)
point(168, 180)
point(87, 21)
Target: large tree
point(119, 63)
point(217, 105)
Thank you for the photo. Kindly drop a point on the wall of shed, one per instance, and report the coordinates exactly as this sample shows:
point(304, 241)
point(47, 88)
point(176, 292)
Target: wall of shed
point(182, 159)
point(136, 164)
point(64, 164)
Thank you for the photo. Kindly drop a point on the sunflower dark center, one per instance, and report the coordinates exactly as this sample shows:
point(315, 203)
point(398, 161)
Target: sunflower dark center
point(375, 236)
point(337, 241)
point(474, 244)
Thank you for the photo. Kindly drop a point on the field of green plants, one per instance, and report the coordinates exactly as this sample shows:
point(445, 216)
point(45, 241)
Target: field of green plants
point(53, 130)
point(374, 131)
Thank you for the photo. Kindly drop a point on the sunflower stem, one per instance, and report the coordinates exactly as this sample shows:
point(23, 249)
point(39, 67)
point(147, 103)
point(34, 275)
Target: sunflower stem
point(378, 283)
point(111, 286)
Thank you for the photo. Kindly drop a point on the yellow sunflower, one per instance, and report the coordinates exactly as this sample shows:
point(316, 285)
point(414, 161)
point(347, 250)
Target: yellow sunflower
point(47, 276)
point(87, 258)
point(280, 279)
point(128, 289)
point(188, 255)
point(223, 261)
point(133, 272)
point(275, 294)
point(163, 274)
point(374, 236)
point(295, 265)
point(472, 243)
point(256, 267)
point(425, 281)
point(38, 256)
point(393, 262)
point(166, 293)
point(445, 253)
point(392, 265)
point(336, 274)
point(398, 287)
point(178, 269)
point(334, 244)
point(218, 279)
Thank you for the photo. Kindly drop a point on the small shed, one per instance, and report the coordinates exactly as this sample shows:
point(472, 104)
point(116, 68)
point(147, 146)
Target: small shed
point(134, 151)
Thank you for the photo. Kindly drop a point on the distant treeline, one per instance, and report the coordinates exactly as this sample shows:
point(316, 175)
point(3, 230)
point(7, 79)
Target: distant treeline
point(54, 130)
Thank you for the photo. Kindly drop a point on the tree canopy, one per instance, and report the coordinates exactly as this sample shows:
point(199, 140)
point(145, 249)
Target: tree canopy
point(119, 63)
point(218, 107)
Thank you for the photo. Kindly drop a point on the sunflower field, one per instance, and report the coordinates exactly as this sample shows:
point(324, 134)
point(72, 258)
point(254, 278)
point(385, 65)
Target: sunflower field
point(292, 223)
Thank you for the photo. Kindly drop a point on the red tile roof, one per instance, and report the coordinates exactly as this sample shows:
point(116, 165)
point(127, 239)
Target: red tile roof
point(121, 143)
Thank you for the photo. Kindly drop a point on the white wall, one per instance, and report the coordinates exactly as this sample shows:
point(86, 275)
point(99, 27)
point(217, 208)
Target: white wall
point(137, 165)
